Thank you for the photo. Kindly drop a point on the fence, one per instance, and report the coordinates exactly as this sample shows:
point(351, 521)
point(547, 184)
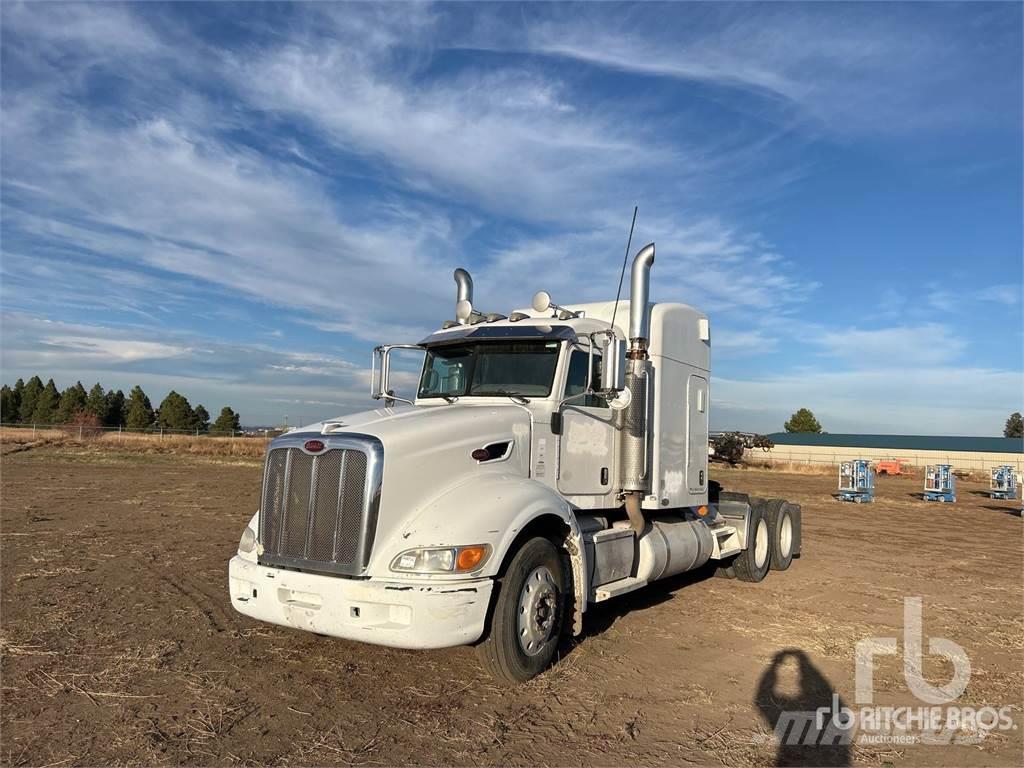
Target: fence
point(825, 455)
point(82, 431)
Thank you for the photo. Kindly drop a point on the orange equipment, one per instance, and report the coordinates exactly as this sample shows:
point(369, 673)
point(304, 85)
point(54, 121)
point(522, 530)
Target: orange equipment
point(891, 467)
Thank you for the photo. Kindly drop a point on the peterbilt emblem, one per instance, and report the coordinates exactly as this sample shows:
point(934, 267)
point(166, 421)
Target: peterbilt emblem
point(313, 446)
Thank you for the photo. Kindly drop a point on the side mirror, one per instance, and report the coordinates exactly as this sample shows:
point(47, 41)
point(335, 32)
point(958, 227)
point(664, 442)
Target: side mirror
point(380, 372)
point(541, 301)
point(613, 364)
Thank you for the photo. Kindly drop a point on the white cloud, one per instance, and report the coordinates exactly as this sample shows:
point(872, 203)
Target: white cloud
point(927, 344)
point(1005, 293)
point(112, 350)
point(846, 68)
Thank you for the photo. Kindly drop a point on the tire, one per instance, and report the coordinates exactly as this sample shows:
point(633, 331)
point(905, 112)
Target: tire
point(783, 523)
point(529, 614)
point(726, 571)
point(753, 563)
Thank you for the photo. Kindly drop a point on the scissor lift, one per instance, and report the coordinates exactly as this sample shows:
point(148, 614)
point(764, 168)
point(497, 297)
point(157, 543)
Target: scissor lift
point(1004, 483)
point(939, 483)
point(856, 482)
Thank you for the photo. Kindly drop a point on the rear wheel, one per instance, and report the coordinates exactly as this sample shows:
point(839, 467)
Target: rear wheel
point(784, 525)
point(528, 614)
point(752, 563)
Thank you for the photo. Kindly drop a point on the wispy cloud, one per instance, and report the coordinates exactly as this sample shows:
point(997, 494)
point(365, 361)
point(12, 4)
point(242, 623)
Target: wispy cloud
point(178, 184)
point(927, 344)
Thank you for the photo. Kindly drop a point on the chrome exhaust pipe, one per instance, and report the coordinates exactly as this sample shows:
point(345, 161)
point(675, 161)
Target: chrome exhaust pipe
point(464, 286)
point(633, 446)
point(639, 295)
point(463, 292)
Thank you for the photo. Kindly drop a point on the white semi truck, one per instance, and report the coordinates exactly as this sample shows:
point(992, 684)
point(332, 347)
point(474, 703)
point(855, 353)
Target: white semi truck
point(548, 460)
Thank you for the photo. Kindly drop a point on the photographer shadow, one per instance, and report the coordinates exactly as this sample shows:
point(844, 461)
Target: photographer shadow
point(793, 717)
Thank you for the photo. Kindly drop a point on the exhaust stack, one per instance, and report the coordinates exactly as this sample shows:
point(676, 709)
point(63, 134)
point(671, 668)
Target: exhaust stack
point(634, 441)
point(639, 295)
point(463, 292)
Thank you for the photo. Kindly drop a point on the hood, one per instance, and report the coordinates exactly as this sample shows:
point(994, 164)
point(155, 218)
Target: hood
point(427, 452)
point(406, 425)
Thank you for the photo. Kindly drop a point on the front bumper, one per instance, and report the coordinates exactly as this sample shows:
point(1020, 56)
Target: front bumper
point(401, 614)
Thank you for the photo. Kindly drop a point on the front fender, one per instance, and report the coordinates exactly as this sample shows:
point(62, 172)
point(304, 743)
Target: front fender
point(485, 509)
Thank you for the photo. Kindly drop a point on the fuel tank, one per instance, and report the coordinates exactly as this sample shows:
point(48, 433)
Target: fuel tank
point(671, 545)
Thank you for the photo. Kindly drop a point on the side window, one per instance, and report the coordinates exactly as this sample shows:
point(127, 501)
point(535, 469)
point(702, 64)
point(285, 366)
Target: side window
point(576, 381)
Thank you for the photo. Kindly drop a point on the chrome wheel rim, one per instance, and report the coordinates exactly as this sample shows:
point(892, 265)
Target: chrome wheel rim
point(786, 535)
point(538, 606)
point(761, 544)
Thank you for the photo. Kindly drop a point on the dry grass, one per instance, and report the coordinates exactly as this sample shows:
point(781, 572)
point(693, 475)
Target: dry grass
point(791, 467)
point(13, 440)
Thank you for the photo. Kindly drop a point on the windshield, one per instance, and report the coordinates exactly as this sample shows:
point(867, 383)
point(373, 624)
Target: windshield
point(497, 368)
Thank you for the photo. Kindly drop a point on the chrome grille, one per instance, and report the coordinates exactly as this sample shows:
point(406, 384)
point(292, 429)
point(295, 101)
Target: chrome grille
point(319, 510)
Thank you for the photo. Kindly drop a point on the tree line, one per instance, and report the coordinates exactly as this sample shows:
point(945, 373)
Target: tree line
point(33, 402)
point(803, 421)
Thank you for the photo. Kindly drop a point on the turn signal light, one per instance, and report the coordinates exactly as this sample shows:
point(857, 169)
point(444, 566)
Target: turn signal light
point(481, 454)
point(470, 557)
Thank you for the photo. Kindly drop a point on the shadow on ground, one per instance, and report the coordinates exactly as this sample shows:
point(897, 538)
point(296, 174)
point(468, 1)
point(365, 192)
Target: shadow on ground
point(789, 696)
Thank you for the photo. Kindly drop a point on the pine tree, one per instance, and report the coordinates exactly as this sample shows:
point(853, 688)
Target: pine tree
point(19, 393)
point(72, 402)
point(202, 419)
point(803, 421)
point(96, 402)
point(46, 404)
point(29, 396)
point(1014, 425)
point(175, 412)
point(115, 409)
point(9, 404)
point(227, 423)
point(138, 410)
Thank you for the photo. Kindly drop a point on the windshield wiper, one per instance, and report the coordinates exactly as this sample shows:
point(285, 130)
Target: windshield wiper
point(514, 396)
point(450, 399)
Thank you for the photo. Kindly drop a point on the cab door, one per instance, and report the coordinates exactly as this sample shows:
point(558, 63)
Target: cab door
point(587, 444)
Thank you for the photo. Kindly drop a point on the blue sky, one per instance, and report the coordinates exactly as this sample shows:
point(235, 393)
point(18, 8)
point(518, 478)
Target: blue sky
point(239, 201)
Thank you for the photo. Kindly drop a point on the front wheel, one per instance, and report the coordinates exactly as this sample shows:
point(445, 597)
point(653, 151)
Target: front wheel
point(528, 614)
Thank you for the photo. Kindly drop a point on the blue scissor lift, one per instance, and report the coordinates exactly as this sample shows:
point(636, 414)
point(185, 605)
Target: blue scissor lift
point(856, 481)
point(1004, 483)
point(939, 483)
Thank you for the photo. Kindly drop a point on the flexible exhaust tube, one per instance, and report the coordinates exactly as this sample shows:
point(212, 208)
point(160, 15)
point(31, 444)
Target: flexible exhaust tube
point(634, 512)
point(639, 294)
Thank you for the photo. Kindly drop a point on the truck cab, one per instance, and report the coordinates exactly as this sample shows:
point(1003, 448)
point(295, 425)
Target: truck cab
point(546, 460)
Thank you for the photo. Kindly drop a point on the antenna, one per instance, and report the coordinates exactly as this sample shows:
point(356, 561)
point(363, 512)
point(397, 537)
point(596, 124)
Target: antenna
point(622, 274)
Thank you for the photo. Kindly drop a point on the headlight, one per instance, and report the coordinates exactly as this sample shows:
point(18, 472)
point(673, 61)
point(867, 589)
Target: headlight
point(248, 541)
point(442, 559)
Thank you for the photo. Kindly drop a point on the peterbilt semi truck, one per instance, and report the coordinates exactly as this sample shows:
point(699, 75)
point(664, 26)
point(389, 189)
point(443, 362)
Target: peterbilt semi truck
point(548, 460)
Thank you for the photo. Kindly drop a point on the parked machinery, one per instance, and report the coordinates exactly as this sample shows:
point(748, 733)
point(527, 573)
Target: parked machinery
point(939, 483)
point(856, 481)
point(1003, 484)
point(891, 467)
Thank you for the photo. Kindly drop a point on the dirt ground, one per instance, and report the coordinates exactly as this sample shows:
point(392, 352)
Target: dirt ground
point(120, 646)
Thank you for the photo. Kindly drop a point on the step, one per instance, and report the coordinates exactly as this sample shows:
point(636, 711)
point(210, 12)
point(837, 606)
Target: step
point(616, 588)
